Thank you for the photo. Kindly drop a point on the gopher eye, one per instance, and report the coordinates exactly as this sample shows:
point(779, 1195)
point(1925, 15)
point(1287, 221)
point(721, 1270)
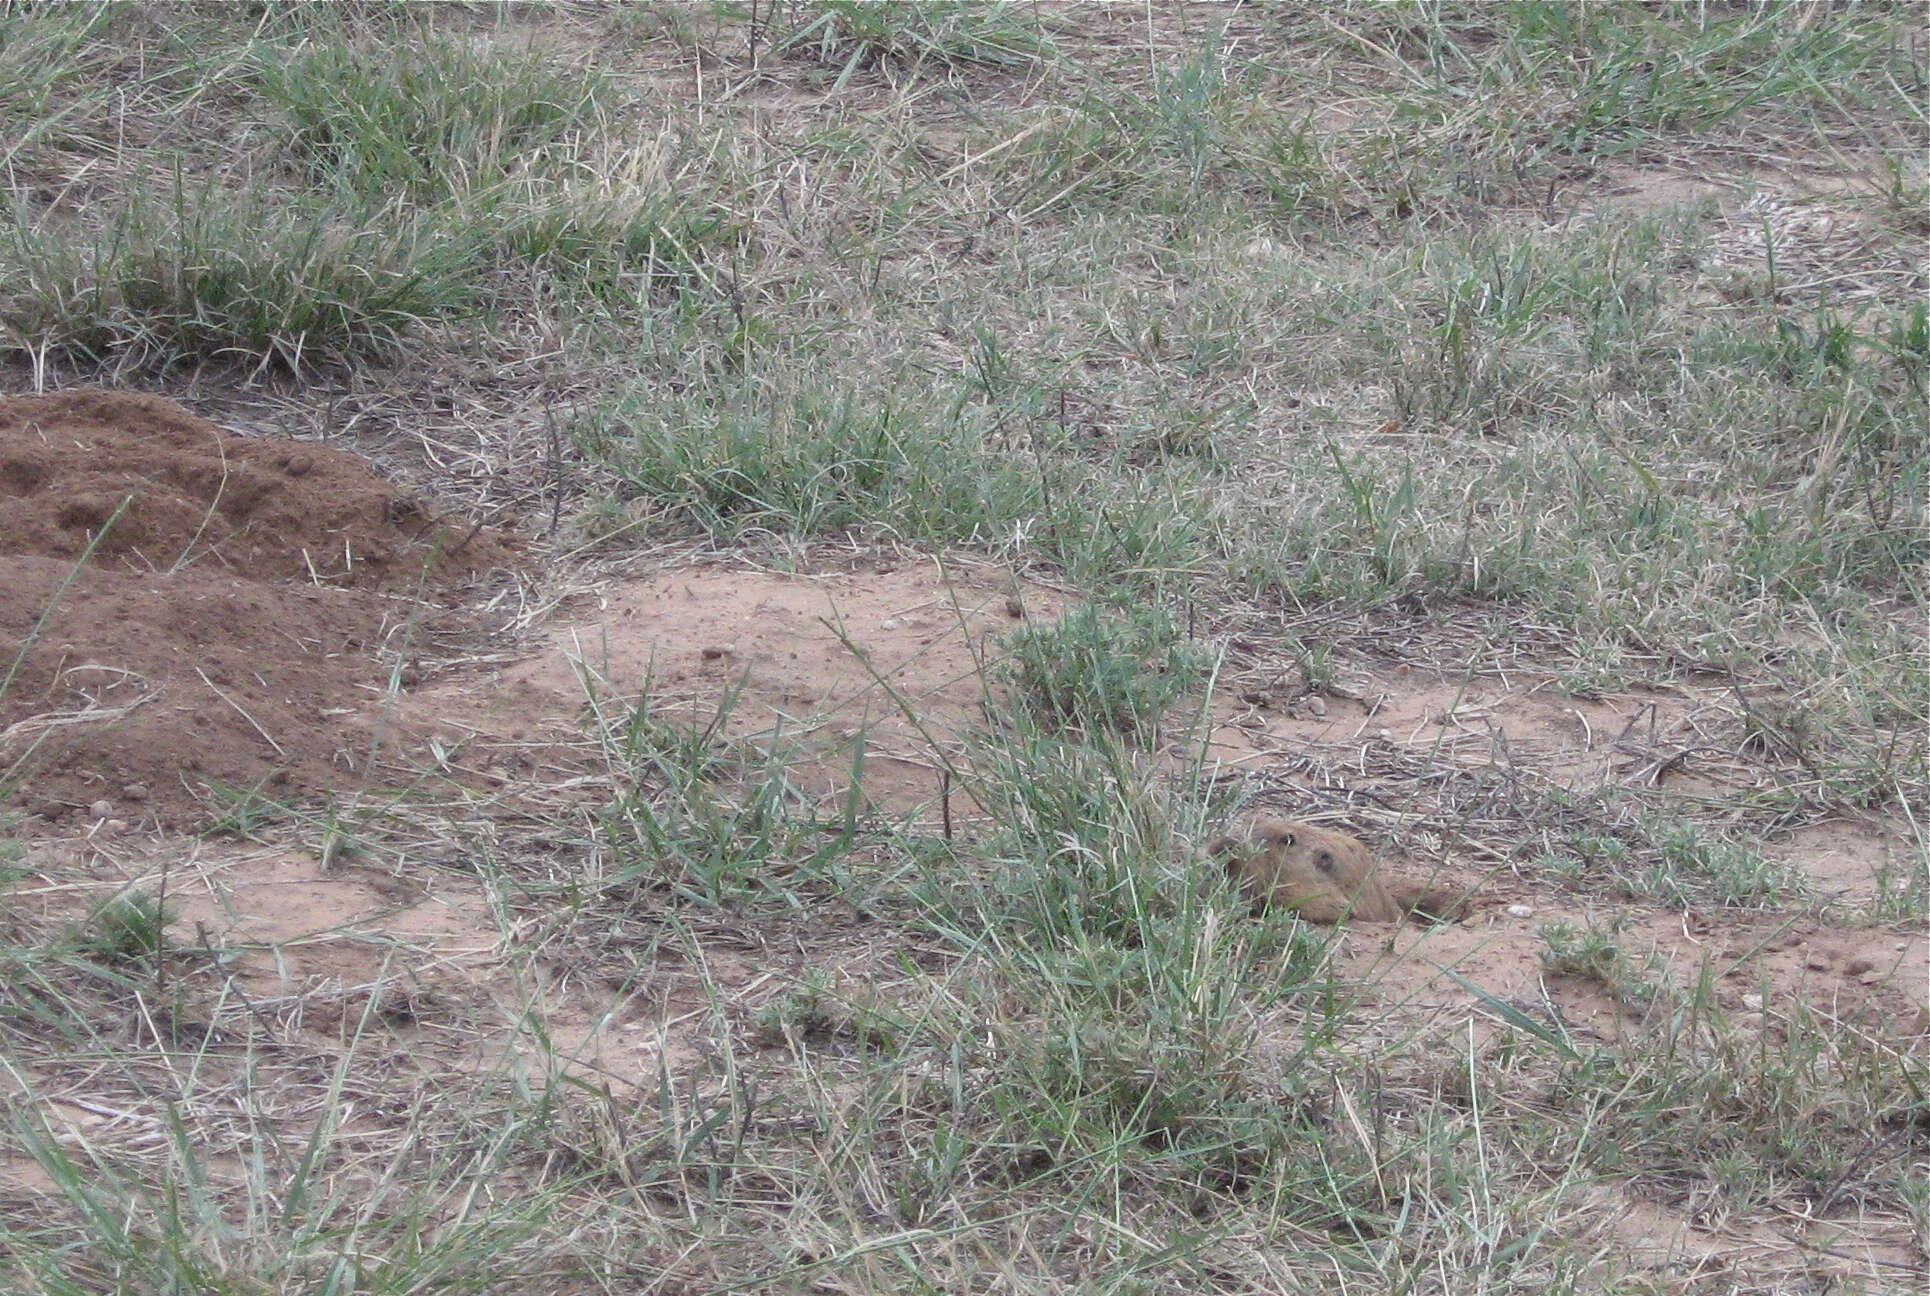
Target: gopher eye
point(1286, 840)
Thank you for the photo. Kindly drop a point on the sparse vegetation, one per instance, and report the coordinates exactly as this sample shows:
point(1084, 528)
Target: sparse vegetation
point(1573, 353)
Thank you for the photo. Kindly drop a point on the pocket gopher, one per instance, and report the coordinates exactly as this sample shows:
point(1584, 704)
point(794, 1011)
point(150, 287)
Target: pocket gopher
point(1322, 875)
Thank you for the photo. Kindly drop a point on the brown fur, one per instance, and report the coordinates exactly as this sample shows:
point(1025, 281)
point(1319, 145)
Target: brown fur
point(1322, 875)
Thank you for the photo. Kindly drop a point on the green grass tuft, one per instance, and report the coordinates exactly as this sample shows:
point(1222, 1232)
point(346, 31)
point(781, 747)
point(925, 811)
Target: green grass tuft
point(1093, 668)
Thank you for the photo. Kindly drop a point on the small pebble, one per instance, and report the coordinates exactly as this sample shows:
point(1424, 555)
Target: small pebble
point(1753, 1002)
point(1856, 967)
point(888, 624)
point(1014, 608)
point(1317, 704)
point(1520, 911)
point(134, 792)
point(1870, 976)
point(102, 809)
point(711, 652)
point(1817, 962)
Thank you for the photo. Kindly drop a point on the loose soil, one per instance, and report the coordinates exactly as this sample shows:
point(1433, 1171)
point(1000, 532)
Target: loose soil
point(238, 621)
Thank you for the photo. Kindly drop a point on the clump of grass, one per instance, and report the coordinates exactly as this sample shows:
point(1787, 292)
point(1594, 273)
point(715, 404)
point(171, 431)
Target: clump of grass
point(1097, 668)
point(741, 436)
point(1119, 983)
point(855, 34)
point(1903, 883)
point(1110, 1057)
point(1549, 373)
point(800, 456)
point(53, 79)
point(12, 850)
point(1102, 845)
point(225, 278)
point(1594, 952)
point(127, 930)
point(1487, 105)
point(245, 812)
point(419, 118)
point(815, 1013)
point(624, 252)
point(1195, 142)
point(85, 88)
point(433, 165)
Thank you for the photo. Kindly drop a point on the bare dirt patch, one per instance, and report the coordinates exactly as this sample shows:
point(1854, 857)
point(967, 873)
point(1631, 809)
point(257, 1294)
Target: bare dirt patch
point(239, 623)
point(1645, 189)
point(1760, 968)
point(809, 664)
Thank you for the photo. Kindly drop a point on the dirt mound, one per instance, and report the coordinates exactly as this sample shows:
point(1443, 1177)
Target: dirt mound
point(239, 622)
point(201, 497)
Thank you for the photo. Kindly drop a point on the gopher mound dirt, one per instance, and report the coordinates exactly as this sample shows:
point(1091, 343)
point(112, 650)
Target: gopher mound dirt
point(237, 626)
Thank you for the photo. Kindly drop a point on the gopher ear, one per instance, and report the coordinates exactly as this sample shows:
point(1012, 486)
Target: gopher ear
point(1222, 848)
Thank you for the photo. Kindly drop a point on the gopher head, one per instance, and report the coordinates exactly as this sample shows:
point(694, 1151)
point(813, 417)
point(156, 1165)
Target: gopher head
point(1322, 875)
